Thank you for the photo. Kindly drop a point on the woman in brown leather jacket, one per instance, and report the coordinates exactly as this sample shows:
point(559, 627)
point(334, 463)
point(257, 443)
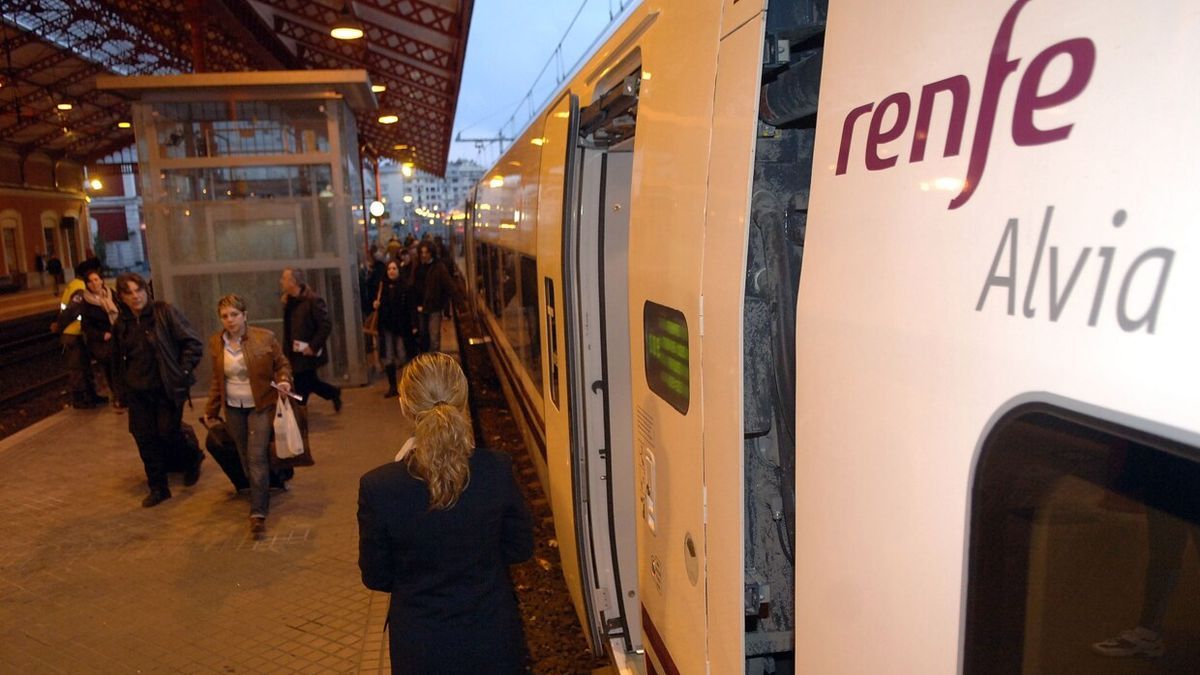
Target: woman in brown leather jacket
point(246, 361)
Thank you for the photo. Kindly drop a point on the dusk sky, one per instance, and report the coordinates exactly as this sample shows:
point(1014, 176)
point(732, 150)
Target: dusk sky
point(509, 43)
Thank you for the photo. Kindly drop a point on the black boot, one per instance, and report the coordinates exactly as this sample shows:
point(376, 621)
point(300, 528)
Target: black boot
point(156, 497)
point(391, 376)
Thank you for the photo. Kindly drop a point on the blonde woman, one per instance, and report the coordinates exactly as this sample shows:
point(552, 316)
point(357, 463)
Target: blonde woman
point(245, 361)
point(438, 530)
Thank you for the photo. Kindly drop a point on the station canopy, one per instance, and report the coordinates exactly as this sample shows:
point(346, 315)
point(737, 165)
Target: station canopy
point(54, 49)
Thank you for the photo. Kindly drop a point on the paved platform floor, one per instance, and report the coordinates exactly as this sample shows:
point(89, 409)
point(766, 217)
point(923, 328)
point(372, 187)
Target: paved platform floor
point(91, 582)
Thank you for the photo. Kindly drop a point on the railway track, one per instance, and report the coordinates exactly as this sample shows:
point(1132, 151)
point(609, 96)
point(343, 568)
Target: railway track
point(31, 364)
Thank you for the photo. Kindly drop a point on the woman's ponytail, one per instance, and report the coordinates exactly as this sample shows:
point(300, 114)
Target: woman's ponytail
point(433, 393)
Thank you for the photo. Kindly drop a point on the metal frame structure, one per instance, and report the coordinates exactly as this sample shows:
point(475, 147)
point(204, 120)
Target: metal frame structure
point(52, 50)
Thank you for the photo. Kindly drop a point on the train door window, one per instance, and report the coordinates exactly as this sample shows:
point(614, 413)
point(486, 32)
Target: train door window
point(1083, 549)
point(552, 341)
point(667, 360)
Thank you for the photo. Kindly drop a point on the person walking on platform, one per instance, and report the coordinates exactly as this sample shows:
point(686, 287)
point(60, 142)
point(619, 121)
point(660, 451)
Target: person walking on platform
point(39, 266)
point(306, 327)
point(434, 290)
point(395, 309)
point(98, 316)
point(155, 351)
point(438, 529)
point(55, 269)
point(247, 365)
point(75, 348)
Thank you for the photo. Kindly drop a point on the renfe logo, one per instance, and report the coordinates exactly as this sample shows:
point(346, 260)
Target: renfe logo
point(1029, 99)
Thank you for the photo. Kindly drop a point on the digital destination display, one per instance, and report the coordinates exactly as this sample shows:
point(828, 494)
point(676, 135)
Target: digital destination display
point(667, 369)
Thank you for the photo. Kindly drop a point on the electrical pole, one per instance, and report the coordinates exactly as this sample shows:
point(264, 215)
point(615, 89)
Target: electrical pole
point(481, 143)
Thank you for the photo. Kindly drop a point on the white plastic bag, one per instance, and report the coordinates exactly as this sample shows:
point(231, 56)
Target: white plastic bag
point(289, 442)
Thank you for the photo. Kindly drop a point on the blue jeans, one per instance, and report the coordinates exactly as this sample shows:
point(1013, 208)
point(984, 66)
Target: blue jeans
point(391, 348)
point(251, 433)
point(431, 331)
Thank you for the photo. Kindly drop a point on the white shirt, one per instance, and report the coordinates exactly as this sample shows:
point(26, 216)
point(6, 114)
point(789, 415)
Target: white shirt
point(237, 376)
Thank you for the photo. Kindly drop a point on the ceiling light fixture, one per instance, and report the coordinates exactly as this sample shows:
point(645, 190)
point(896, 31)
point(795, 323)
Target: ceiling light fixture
point(348, 26)
point(388, 118)
point(379, 88)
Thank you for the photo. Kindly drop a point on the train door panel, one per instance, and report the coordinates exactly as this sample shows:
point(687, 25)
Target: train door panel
point(599, 383)
point(596, 271)
point(620, 479)
point(559, 167)
point(733, 571)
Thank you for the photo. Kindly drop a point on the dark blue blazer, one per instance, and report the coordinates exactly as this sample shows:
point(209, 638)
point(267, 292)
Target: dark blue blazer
point(453, 607)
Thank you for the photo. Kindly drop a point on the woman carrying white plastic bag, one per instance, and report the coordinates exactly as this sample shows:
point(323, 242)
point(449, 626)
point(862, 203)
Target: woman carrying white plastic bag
point(249, 373)
point(289, 441)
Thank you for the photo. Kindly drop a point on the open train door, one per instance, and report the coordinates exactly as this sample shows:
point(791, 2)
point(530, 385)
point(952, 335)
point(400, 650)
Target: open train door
point(597, 185)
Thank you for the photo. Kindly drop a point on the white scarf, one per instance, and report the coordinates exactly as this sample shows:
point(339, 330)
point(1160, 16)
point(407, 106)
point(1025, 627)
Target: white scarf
point(104, 300)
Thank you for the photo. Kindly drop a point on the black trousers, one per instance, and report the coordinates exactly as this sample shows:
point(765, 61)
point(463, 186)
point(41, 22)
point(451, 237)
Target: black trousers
point(307, 382)
point(79, 366)
point(154, 420)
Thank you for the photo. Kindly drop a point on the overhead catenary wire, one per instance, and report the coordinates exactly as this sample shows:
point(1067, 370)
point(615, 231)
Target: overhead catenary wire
point(561, 73)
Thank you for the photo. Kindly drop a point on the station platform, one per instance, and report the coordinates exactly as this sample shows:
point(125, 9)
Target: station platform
point(91, 582)
point(28, 303)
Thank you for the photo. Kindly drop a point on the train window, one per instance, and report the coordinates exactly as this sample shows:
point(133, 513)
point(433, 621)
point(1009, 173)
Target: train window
point(483, 279)
point(667, 361)
point(1079, 549)
point(509, 305)
point(531, 336)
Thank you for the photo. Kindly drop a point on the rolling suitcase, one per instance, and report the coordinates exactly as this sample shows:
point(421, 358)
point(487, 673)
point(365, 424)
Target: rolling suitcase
point(220, 445)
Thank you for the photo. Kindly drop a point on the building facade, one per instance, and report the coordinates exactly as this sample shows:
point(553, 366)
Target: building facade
point(421, 202)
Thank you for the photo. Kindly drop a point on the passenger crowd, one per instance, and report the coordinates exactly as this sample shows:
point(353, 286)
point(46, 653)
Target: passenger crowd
point(146, 352)
point(438, 527)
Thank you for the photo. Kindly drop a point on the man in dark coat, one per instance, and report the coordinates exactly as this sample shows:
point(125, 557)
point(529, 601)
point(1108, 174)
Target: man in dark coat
point(54, 268)
point(155, 351)
point(434, 291)
point(306, 329)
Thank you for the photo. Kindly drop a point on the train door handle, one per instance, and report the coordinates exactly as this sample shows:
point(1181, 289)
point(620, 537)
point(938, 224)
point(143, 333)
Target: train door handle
point(599, 385)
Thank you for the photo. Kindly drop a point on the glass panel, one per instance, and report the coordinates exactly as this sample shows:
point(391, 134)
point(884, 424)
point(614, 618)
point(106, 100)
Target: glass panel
point(552, 340)
point(196, 296)
point(531, 333)
point(1080, 550)
point(249, 213)
point(483, 275)
point(240, 128)
point(510, 303)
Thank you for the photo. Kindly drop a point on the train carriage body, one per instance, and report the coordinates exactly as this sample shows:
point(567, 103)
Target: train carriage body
point(897, 380)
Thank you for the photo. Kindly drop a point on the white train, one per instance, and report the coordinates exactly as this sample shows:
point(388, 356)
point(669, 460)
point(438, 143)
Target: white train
point(964, 438)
